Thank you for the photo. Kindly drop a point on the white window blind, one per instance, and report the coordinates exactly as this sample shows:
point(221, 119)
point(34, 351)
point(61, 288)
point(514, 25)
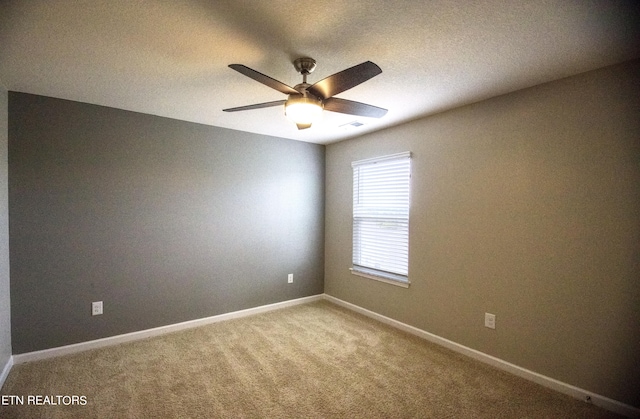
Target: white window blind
point(381, 193)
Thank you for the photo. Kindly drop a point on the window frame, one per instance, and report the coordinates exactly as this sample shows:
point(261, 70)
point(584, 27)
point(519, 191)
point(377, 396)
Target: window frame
point(358, 268)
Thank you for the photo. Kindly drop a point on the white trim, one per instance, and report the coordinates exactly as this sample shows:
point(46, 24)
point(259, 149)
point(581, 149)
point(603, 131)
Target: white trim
point(396, 282)
point(5, 371)
point(568, 389)
point(402, 155)
point(157, 331)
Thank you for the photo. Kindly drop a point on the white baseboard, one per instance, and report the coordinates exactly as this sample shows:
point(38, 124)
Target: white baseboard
point(5, 371)
point(576, 392)
point(573, 391)
point(157, 331)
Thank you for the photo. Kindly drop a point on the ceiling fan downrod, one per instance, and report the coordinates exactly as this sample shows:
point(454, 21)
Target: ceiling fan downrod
point(304, 66)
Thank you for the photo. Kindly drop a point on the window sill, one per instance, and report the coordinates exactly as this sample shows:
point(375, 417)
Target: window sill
point(397, 283)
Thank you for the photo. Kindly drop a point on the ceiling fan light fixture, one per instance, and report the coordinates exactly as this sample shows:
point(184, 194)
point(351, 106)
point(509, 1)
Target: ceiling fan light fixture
point(303, 109)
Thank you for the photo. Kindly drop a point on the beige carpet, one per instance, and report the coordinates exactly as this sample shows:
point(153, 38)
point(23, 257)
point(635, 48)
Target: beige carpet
point(311, 361)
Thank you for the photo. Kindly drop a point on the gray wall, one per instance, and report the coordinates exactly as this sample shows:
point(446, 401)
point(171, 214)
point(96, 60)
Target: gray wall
point(5, 310)
point(163, 220)
point(526, 206)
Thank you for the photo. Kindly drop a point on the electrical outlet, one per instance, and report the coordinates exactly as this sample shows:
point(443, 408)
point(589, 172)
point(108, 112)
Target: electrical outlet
point(96, 308)
point(290, 278)
point(490, 320)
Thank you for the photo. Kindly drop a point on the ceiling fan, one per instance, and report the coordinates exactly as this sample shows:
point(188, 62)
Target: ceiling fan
point(305, 101)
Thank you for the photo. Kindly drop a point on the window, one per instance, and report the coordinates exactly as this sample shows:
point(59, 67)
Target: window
point(381, 190)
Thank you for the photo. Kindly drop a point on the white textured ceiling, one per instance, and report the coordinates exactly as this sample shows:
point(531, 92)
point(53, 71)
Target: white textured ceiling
point(170, 58)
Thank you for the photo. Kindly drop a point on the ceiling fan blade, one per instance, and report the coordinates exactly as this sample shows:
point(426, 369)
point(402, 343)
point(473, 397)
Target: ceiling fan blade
point(345, 80)
point(256, 106)
point(264, 79)
point(303, 126)
point(334, 104)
